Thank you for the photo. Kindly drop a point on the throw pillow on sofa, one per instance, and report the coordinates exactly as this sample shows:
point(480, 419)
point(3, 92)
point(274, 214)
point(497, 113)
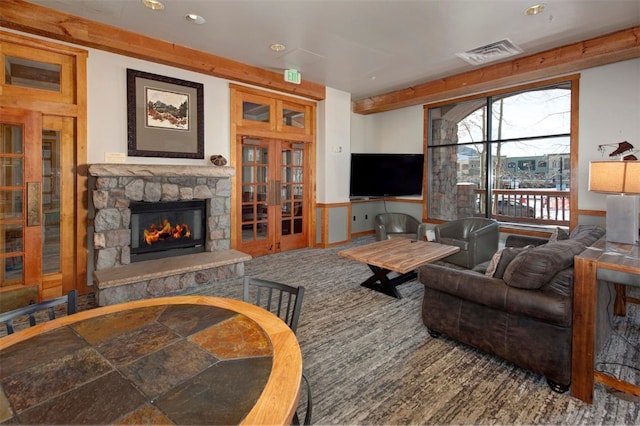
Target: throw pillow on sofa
point(587, 234)
point(503, 257)
point(533, 268)
point(493, 263)
point(558, 235)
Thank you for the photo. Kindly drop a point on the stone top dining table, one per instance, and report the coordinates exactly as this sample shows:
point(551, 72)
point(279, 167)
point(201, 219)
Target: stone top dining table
point(170, 360)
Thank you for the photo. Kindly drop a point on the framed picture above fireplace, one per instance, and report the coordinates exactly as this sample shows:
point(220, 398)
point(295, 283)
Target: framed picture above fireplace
point(165, 116)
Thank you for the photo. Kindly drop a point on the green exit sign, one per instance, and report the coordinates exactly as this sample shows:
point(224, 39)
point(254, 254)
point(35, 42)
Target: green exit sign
point(292, 76)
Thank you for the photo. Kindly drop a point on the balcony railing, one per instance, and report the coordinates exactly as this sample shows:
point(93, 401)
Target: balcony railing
point(549, 207)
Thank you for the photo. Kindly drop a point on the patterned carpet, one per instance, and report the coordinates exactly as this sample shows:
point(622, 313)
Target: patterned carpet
point(371, 361)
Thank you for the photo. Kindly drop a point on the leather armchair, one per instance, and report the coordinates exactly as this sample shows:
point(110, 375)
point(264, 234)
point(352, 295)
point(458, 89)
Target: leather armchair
point(389, 225)
point(477, 238)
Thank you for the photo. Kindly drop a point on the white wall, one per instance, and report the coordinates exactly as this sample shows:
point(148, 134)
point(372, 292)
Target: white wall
point(107, 108)
point(398, 131)
point(609, 113)
point(333, 154)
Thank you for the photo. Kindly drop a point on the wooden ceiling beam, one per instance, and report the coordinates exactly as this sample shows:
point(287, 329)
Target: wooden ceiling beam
point(618, 46)
point(30, 18)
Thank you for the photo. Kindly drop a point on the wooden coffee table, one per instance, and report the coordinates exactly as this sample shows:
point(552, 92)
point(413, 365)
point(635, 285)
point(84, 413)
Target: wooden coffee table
point(400, 255)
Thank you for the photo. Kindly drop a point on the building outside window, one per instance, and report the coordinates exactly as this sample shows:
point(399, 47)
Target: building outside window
point(506, 156)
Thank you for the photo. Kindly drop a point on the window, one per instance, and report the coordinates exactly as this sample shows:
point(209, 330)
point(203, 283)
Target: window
point(505, 156)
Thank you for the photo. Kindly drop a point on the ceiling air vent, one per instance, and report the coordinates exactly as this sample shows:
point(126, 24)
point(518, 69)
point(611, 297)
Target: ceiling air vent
point(490, 53)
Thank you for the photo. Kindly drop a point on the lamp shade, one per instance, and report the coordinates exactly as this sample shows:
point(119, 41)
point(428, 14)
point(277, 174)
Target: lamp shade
point(621, 177)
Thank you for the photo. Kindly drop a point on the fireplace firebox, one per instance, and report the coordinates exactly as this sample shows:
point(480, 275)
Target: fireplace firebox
point(167, 229)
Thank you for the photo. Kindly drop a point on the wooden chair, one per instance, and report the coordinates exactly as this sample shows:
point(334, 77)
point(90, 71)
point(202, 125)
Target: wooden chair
point(71, 299)
point(285, 301)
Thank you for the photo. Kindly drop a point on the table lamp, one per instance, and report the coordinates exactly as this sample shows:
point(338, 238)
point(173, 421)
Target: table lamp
point(622, 178)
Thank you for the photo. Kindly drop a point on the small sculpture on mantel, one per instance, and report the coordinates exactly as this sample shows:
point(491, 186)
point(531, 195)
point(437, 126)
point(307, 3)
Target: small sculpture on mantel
point(622, 149)
point(218, 160)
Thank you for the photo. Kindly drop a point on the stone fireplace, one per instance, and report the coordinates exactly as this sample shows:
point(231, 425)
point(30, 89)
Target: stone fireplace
point(167, 228)
point(117, 188)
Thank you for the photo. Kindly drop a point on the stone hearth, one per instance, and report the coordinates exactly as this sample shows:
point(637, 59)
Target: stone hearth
point(114, 186)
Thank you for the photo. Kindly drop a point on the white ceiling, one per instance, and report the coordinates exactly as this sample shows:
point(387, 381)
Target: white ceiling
point(364, 47)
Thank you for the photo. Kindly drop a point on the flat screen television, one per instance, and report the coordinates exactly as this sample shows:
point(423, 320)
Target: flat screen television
point(386, 175)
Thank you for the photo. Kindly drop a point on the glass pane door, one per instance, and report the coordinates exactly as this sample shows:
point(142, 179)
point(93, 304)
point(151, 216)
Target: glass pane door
point(20, 198)
point(51, 201)
point(11, 204)
point(292, 188)
point(255, 190)
point(272, 196)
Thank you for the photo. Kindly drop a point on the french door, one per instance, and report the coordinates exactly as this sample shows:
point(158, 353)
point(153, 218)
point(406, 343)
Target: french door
point(36, 202)
point(43, 145)
point(20, 185)
point(274, 195)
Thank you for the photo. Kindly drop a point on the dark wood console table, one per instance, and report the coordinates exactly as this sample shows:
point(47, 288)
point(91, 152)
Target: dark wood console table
point(172, 360)
point(601, 256)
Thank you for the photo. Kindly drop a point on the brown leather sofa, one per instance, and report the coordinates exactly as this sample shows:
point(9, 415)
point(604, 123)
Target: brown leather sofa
point(523, 313)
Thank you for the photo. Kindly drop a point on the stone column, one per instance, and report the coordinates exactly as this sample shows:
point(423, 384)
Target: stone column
point(443, 171)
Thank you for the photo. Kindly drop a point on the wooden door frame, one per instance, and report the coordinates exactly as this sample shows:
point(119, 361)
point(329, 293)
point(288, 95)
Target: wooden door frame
point(240, 128)
point(66, 105)
point(275, 239)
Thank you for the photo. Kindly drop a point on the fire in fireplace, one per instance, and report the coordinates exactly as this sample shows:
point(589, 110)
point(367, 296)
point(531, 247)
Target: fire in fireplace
point(167, 229)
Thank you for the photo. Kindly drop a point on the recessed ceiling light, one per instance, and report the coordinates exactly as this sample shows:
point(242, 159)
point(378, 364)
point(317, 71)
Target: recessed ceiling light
point(535, 9)
point(196, 19)
point(277, 47)
point(153, 4)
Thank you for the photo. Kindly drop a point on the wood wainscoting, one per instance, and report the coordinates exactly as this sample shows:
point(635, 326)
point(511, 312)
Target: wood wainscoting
point(334, 224)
